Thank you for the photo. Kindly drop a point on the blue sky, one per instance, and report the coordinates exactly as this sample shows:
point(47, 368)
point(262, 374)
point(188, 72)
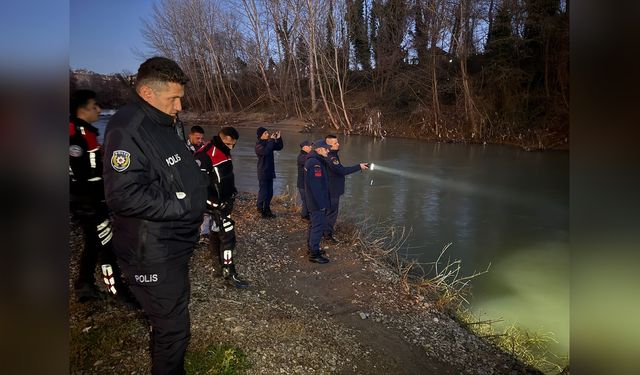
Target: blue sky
point(103, 34)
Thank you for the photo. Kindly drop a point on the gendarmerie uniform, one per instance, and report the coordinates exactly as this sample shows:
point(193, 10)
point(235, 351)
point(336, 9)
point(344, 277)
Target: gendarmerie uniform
point(214, 159)
point(90, 211)
point(337, 172)
point(316, 187)
point(158, 195)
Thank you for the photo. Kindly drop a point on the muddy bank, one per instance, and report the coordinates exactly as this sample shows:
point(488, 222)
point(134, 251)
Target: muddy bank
point(349, 316)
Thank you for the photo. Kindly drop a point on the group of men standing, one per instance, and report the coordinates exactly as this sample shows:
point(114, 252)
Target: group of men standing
point(145, 204)
point(321, 180)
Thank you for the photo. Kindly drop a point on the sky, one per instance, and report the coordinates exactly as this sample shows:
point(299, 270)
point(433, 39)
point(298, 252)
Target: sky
point(104, 34)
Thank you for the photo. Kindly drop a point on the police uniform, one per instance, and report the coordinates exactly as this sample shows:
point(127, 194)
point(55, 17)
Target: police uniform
point(89, 209)
point(158, 196)
point(214, 158)
point(316, 187)
point(337, 172)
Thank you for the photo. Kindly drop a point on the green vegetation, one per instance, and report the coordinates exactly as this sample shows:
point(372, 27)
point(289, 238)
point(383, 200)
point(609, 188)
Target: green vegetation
point(217, 360)
point(448, 291)
point(103, 340)
point(532, 348)
point(100, 343)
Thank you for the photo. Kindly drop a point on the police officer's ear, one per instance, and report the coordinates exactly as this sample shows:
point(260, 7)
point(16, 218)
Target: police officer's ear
point(146, 92)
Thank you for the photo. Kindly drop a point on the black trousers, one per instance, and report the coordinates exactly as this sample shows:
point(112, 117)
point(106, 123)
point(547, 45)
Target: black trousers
point(222, 243)
point(265, 193)
point(93, 218)
point(163, 293)
point(332, 215)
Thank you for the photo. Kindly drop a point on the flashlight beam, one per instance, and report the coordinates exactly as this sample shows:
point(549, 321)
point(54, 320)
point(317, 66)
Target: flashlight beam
point(501, 195)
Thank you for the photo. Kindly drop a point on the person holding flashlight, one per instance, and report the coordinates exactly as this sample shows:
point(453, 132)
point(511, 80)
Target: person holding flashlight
point(337, 172)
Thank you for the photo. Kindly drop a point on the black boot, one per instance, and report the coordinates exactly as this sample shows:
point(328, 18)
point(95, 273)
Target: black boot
point(316, 257)
point(267, 214)
point(331, 239)
point(231, 277)
point(88, 292)
point(322, 252)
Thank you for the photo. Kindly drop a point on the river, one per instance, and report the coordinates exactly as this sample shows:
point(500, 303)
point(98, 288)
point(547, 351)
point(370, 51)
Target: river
point(496, 205)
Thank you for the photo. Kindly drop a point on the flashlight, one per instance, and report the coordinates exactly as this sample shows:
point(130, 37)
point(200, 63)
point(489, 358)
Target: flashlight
point(371, 166)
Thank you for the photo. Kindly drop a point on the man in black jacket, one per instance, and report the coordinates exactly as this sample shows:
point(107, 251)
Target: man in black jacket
point(337, 172)
point(214, 158)
point(158, 195)
point(266, 144)
point(87, 199)
point(195, 139)
point(305, 148)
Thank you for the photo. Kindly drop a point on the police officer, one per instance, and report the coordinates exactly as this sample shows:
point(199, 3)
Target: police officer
point(87, 199)
point(266, 144)
point(158, 195)
point(316, 186)
point(214, 158)
point(305, 147)
point(336, 183)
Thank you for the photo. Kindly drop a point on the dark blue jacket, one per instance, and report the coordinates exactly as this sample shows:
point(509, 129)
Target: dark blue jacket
point(337, 171)
point(302, 158)
point(316, 184)
point(264, 150)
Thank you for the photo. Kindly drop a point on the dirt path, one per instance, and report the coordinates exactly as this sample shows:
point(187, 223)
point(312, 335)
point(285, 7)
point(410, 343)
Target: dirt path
point(345, 317)
point(342, 289)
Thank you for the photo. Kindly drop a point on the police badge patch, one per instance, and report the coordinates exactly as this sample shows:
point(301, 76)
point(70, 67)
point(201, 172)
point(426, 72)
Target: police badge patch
point(120, 160)
point(335, 160)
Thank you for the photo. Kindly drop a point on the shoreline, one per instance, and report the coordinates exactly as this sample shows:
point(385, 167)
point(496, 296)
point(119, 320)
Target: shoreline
point(348, 316)
point(528, 142)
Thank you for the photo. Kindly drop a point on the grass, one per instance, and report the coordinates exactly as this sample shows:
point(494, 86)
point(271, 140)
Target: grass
point(223, 360)
point(101, 341)
point(449, 291)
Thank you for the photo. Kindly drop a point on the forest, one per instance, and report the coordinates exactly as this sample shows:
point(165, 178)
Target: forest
point(476, 71)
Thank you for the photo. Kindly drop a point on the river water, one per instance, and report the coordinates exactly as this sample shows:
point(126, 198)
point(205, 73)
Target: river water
point(496, 205)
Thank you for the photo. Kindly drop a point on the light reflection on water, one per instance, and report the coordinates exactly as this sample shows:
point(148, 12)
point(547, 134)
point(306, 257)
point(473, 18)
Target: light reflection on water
point(496, 204)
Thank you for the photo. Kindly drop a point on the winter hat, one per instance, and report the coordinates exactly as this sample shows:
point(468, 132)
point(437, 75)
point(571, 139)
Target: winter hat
point(321, 143)
point(305, 143)
point(260, 131)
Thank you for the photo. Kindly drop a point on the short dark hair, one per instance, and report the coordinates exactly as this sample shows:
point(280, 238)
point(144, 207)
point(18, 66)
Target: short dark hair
point(330, 136)
point(160, 70)
point(229, 131)
point(196, 129)
point(79, 99)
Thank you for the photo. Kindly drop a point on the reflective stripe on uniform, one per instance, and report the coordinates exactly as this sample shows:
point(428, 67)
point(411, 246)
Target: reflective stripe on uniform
point(102, 225)
point(106, 240)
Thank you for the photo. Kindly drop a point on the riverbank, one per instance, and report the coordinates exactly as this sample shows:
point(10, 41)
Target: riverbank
point(545, 138)
point(349, 316)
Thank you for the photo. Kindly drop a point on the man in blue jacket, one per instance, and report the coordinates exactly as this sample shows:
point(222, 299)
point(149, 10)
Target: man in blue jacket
point(265, 146)
point(305, 147)
point(316, 186)
point(337, 172)
point(158, 196)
